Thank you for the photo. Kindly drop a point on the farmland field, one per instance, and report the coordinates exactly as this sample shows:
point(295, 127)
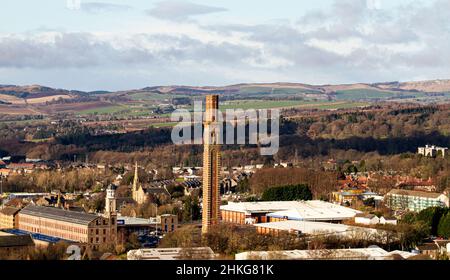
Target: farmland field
point(149, 96)
point(165, 124)
point(13, 110)
point(255, 92)
point(120, 110)
point(258, 104)
point(11, 99)
point(370, 94)
point(103, 110)
point(47, 99)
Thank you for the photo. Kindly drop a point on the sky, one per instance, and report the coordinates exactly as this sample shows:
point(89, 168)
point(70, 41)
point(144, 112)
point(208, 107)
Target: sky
point(118, 45)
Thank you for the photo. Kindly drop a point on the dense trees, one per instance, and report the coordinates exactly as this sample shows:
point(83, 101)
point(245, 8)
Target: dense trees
point(444, 226)
point(191, 209)
point(434, 220)
point(319, 182)
point(227, 240)
point(287, 193)
point(68, 181)
point(352, 133)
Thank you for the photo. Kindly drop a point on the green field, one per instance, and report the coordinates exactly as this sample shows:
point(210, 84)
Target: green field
point(104, 110)
point(166, 124)
point(119, 110)
point(371, 94)
point(260, 104)
point(363, 94)
point(256, 92)
point(278, 90)
point(337, 105)
point(149, 96)
point(269, 104)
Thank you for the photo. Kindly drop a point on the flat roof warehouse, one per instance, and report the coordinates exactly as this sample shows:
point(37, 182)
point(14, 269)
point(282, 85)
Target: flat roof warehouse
point(314, 210)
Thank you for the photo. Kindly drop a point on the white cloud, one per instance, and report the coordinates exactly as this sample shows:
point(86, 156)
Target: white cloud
point(346, 43)
point(98, 7)
point(180, 11)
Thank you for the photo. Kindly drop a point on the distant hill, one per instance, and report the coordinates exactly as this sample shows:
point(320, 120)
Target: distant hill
point(33, 94)
point(433, 86)
point(37, 94)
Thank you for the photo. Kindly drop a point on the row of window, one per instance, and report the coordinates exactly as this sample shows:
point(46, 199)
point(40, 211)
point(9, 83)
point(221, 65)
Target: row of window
point(97, 231)
point(55, 233)
point(97, 240)
point(53, 225)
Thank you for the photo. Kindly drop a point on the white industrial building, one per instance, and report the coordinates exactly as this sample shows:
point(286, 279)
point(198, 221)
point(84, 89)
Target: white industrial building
point(371, 253)
point(313, 210)
point(315, 228)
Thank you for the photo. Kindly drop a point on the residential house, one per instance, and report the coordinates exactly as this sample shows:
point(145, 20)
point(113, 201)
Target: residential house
point(388, 221)
point(367, 219)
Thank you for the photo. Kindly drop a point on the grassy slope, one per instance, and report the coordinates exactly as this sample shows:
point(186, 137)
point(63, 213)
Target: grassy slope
point(258, 104)
point(369, 94)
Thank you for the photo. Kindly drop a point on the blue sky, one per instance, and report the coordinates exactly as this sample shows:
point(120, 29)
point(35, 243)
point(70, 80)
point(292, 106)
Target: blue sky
point(116, 45)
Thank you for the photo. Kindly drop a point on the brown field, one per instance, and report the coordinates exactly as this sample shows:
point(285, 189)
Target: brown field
point(41, 100)
point(38, 100)
point(73, 107)
point(38, 107)
point(11, 99)
point(333, 88)
point(17, 110)
point(428, 86)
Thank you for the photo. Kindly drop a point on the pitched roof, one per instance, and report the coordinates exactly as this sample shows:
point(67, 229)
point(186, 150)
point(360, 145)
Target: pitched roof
point(368, 216)
point(414, 193)
point(428, 247)
point(21, 165)
point(16, 240)
point(124, 200)
point(59, 214)
point(9, 211)
point(156, 190)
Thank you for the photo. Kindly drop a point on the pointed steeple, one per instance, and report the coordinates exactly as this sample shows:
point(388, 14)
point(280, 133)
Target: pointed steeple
point(136, 178)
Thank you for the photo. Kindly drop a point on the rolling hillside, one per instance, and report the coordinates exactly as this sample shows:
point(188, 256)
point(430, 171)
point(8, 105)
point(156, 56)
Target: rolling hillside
point(46, 100)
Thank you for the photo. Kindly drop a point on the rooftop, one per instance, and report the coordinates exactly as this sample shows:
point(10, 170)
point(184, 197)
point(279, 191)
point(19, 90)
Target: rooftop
point(132, 221)
point(414, 193)
point(303, 210)
point(371, 253)
point(9, 211)
point(368, 216)
point(35, 236)
point(15, 240)
point(313, 210)
point(59, 214)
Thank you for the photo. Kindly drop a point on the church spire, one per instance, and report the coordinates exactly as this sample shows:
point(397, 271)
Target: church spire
point(136, 178)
